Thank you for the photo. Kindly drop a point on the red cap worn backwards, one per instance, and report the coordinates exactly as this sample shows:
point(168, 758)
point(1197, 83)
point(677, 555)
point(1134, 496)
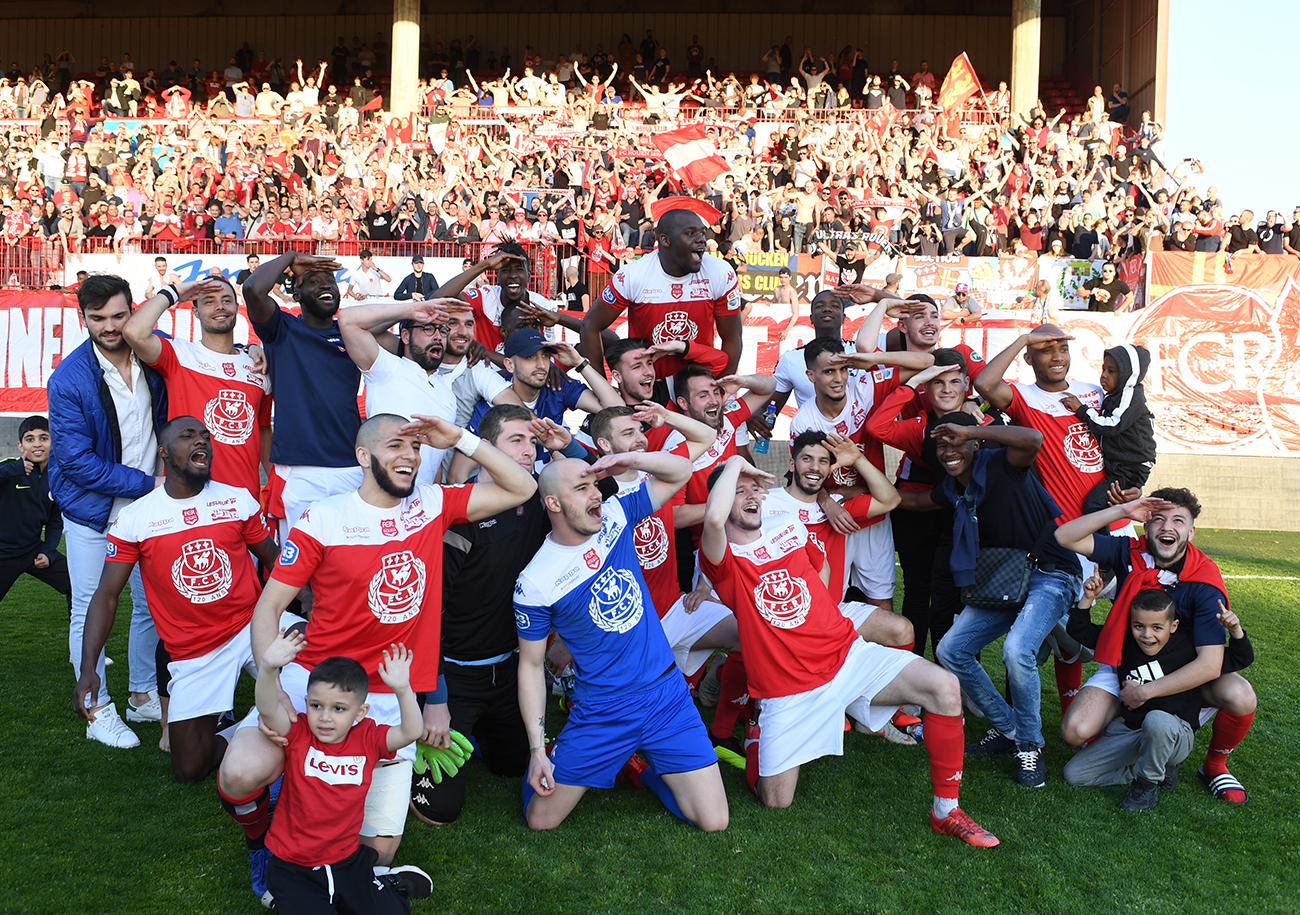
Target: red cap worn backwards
point(699, 207)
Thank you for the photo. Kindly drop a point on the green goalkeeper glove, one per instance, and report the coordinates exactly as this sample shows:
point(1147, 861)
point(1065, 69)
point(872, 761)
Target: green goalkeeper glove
point(438, 761)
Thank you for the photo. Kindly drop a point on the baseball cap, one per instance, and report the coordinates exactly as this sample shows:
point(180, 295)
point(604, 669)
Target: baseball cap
point(961, 287)
point(893, 278)
point(783, 271)
point(527, 341)
point(418, 259)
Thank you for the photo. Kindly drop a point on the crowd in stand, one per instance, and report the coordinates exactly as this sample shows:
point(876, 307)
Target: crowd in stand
point(827, 156)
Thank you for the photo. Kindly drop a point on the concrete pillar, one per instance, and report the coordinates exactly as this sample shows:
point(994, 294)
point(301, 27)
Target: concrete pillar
point(406, 58)
point(1162, 61)
point(1026, 51)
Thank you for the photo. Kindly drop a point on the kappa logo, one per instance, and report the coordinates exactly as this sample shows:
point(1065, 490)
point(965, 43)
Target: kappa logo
point(202, 572)
point(190, 515)
point(1081, 449)
point(397, 590)
point(676, 325)
point(230, 417)
point(592, 558)
point(388, 527)
point(651, 541)
point(615, 601)
point(334, 770)
point(228, 368)
point(783, 600)
point(676, 290)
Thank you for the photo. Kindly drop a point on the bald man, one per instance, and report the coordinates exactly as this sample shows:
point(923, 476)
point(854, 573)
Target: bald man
point(677, 293)
point(586, 584)
point(373, 558)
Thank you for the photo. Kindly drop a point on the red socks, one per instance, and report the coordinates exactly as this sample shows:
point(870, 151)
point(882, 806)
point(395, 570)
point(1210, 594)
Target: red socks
point(908, 647)
point(945, 741)
point(1229, 730)
point(1069, 677)
point(732, 698)
point(751, 755)
point(253, 813)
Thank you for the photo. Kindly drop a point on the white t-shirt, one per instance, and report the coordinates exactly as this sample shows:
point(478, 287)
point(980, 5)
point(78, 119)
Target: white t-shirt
point(368, 283)
point(397, 385)
point(134, 408)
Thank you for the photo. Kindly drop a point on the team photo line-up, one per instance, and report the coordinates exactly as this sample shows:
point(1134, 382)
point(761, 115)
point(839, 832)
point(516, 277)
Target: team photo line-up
point(409, 589)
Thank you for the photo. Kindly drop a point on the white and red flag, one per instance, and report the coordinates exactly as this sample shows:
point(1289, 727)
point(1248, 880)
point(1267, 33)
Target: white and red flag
point(691, 154)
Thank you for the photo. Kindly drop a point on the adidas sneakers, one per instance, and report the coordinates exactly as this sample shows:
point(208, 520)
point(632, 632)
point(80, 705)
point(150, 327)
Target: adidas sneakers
point(109, 729)
point(150, 711)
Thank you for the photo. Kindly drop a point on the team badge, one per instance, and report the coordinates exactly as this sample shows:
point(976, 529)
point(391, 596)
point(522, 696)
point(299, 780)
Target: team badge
point(651, 541)
point(841, 428)
point(782, 600)
point(202, 572)
point(397, 590)
point(804, 515)
point(190, 515)
point(762, 553)
point(676, 325)
point(228, 368)
point(615, 600)
point(388, 527)
point(229, 417)
point(676, 290)
point(592, 559)
point(1082, 449)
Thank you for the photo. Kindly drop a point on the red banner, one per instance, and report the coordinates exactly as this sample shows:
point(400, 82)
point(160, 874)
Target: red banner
point(960, 84)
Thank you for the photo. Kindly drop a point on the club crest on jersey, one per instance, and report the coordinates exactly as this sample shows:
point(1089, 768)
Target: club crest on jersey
point(783, 600)
point(676, 325)
point(190, 515)
point(651, 541)
point(592, 558)
point(397, 590)
point(228, 368)
point(229, 417)
point(676, 290)
point(804, 515)
point(762, 553)
point(615, 600)
point(1081, 449)
point(202, 572)
point(388, 527)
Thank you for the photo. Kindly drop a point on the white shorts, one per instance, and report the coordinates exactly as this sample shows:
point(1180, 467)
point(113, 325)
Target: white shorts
point(1107, 680)
point(685, 629)
point(206, 685)
point(389, 821)
point(305, 486)
point(870, 556)
point(805, 726)
point(857, 611)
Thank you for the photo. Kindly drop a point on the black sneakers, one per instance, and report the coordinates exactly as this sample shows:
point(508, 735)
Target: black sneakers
point(1142, 795)
point(1031, 769)
point(994, 742)
point(408, 880)
point(1170, 781)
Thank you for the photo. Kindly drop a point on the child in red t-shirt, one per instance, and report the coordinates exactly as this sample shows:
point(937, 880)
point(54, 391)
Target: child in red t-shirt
point(317, 863)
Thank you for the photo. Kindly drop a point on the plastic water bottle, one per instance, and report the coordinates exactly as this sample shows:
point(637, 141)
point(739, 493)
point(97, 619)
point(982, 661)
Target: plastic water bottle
point(769, 416)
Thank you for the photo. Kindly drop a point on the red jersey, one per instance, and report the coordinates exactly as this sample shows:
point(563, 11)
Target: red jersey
point(485, 302)
point(780, 503)
point(655, 540)
point(376, 574)
point(193, 555)
point(792, 632)
point(863, 394)
point(1070, 462)
point(662, 307)
point(233, 401)
point(323, 800)
point(900, 422)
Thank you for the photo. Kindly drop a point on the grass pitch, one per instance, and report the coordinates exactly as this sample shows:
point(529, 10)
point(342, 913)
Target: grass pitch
point(88, 829)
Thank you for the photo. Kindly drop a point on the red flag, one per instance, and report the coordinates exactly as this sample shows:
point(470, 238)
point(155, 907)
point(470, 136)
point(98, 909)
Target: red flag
point(691, 154)
point(960, 84)
point(373, 105)
point(881, 120)
point(700, 208)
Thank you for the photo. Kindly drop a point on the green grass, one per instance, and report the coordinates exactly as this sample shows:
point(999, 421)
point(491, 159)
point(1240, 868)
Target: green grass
point(87, 829)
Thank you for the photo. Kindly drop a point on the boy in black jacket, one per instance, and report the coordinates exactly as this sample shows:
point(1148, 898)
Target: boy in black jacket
point(29, 536)
point(1144, 745)
point(1122, 424)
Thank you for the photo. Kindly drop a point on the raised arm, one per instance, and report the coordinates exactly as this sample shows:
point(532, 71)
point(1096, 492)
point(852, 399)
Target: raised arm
point(699, 436)
point(511, 485)
point(139, 329)
point(601, 393)
point(257, 288)
point(990, 383)
point(758, 389)
point(1021, 443)
point(668, 472)
point(713, 540)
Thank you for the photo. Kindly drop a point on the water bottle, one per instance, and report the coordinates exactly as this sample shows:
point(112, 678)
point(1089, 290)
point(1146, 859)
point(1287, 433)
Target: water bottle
point(769, 416)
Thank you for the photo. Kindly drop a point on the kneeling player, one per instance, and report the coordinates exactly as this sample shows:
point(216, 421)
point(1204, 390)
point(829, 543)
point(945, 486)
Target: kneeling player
point(586, 583)
point(807, 666)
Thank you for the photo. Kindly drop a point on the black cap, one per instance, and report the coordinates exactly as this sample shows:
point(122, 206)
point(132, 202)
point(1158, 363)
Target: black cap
point(418, 259)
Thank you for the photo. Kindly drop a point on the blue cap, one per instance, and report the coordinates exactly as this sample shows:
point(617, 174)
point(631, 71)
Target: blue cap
point(527, 341)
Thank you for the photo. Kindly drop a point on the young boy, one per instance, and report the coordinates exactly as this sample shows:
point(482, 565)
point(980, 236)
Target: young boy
point(318, 864)
point(1145, 745)
point(1122, 425)
point(29, 537)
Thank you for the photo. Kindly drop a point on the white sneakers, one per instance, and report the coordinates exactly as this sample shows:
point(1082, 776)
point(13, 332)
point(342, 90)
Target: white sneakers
point(109, 729)
point(150, 711)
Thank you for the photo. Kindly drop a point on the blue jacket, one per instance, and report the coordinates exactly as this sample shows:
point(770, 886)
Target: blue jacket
point(86, 472)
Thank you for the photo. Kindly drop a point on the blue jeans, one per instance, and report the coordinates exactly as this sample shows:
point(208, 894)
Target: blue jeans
point(86, 548)
point(1050, 596)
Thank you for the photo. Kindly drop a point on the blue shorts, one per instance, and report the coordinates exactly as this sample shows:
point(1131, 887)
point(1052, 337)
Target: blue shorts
point(661, 722)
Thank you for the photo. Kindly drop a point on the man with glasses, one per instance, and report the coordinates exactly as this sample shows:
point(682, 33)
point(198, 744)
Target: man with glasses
point(961, 307)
